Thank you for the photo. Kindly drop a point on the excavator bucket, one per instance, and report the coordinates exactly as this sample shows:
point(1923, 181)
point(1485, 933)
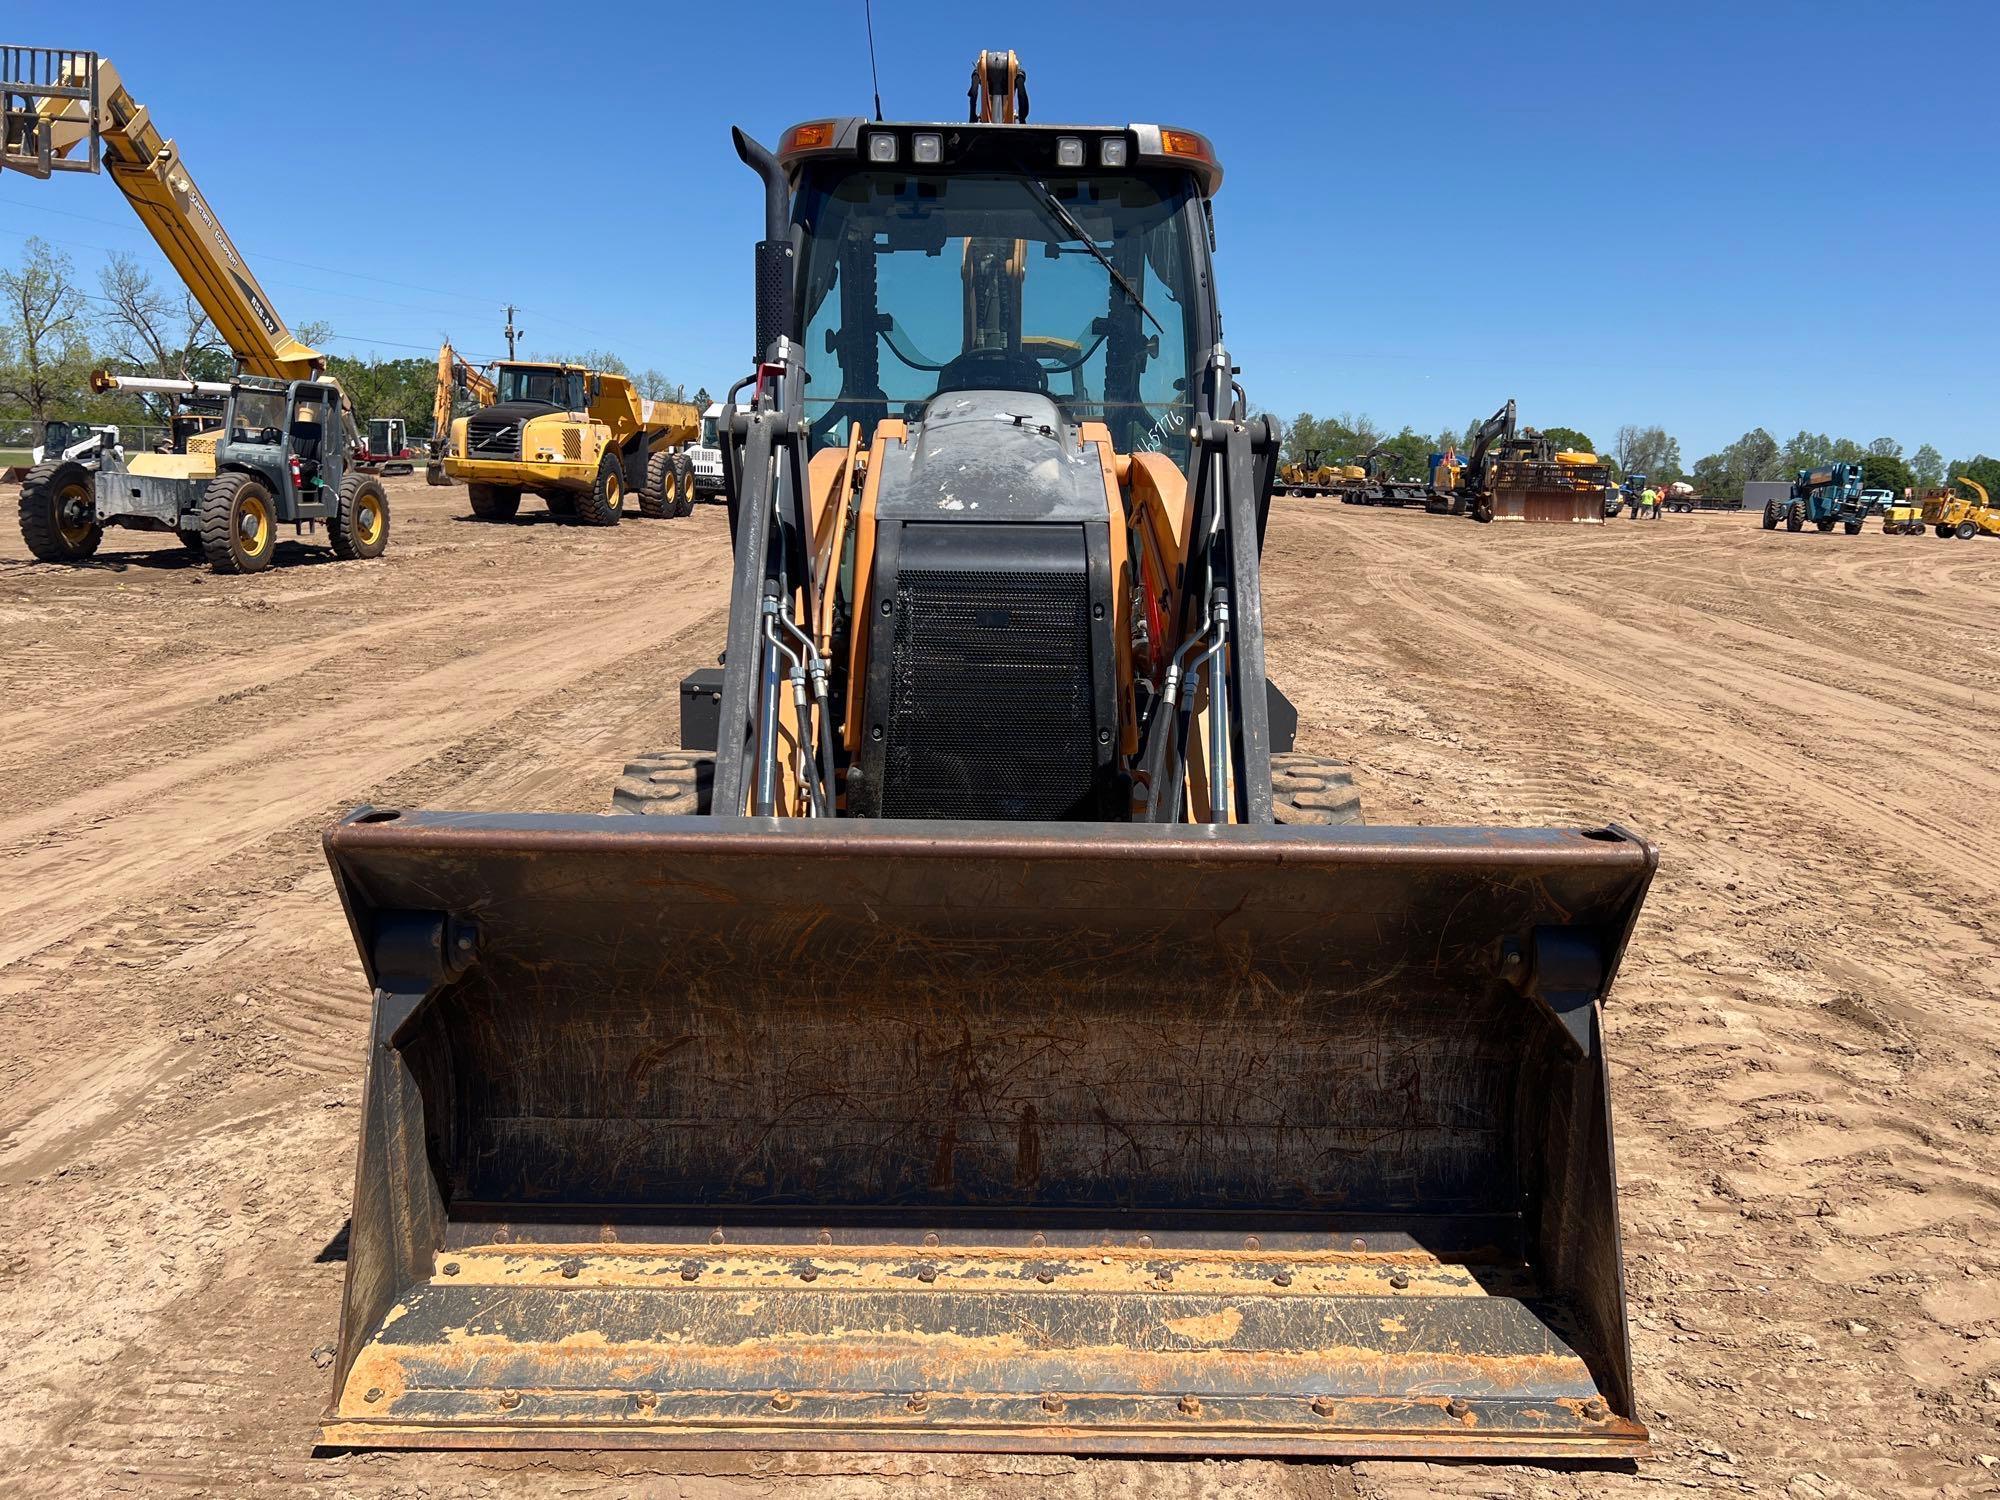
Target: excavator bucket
point(718, 1133)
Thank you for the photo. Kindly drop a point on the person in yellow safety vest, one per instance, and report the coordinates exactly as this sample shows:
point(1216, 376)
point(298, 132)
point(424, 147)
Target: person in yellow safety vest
point(1649, 500)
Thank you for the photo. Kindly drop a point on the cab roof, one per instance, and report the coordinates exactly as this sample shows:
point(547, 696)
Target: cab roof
point(955, 146)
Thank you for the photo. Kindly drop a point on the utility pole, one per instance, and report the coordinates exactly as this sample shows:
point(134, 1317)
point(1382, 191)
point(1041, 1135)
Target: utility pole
point(512, 332)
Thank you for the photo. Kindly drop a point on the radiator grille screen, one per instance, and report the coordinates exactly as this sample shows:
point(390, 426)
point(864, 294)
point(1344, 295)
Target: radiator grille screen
point(990, 704)
point(493, 437)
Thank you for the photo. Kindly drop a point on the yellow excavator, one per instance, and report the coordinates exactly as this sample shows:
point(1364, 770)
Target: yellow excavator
point(458, 384)
point(985, 1030)
point(275, 446)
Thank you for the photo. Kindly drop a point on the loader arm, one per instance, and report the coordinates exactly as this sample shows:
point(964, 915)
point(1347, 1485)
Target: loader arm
point(71, 111)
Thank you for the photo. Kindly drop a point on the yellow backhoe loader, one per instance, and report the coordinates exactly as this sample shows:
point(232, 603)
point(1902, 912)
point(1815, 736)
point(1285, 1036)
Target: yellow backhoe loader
point(985, 1031)
point(581, 439)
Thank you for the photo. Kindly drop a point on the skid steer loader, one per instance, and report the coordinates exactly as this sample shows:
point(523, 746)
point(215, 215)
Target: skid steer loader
point(984, 1034)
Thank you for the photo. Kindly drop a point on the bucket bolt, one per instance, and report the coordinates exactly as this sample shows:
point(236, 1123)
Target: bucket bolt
point(1052, 1404)
point(1400, 1282)
point(927, 1273)
point(372, 1394)
point(451, 1268)
point(690, 1270)
point(1190, 1406)
point(783, 1401)
point(918, 1404)
point(809, 1272)
point(645, 1401)
point(1595, 1409)
point(1324, 1406)
point(570, 1268)
point(509, 1400)
point(1457, 1409)
point(1281, 1277)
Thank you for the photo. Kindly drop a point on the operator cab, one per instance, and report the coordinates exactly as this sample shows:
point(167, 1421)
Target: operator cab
point(558, 387)
point(1057, 261)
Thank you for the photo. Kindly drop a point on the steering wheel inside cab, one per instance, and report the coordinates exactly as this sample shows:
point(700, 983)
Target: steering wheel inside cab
point(994, 370)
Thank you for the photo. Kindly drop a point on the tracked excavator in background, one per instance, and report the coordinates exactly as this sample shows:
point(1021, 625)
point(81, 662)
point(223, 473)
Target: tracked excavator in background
point(985, 1031)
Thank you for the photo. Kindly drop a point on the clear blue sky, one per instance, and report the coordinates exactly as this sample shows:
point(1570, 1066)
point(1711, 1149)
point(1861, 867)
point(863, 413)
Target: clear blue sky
point(1711, 216)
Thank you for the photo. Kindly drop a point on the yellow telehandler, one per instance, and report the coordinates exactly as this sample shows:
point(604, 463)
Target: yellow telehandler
point(985, 1031)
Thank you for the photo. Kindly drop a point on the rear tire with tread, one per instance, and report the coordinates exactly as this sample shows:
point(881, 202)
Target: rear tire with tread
point(683, 485)
point(53, 497)
point(226, 504)
point(1313, 790)
point(666, 784)
point(359, 527)
point(656, 495)
point(493, 502)
point(1795, 516)
point(1770, 515)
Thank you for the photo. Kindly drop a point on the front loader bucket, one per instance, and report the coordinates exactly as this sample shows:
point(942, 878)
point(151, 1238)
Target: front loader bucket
point(723, 1133)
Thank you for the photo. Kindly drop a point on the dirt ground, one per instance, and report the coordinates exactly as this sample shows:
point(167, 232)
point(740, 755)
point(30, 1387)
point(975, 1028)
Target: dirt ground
point(1805, 1041)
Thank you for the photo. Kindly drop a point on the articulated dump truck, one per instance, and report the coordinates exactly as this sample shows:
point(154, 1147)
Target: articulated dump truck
point(989, 1035)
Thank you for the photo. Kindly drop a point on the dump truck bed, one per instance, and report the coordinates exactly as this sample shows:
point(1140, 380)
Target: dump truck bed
point(722, 1133)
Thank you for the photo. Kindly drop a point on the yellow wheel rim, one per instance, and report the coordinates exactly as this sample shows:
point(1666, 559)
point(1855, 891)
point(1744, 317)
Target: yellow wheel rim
point(368, 522)
point(74, 504)
point(614, 492)
point(253, 525)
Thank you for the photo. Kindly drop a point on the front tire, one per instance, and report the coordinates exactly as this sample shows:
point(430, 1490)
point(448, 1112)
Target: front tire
point(1967, 530)
point(1795, 516)
point(666, 784)
point(59, 512)
point(1852, 528)
point(359, 528)
point(1770, 515)
point(493, 502)
point(603, 504)
point(239, 524)
point(1313, 789)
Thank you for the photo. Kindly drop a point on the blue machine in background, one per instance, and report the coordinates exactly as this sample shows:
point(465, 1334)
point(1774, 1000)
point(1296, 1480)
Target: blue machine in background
point(1823, 495)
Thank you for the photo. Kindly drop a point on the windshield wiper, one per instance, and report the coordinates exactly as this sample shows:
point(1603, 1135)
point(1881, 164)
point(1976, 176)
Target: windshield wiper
point(1068, 221)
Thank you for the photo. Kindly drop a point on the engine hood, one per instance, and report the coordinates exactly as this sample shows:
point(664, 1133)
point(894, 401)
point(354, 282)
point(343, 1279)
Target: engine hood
point(991, 456)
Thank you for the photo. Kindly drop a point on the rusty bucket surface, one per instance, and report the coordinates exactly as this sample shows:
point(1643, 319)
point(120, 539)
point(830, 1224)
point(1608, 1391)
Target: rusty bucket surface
point(719, 1133)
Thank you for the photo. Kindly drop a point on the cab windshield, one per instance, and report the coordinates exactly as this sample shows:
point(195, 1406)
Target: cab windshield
point(257, 416)
point(563, 388)
point(919, 283)
point(708, 432)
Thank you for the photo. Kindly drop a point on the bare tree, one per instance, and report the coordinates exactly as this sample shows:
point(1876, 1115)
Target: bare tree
point(44, 352)
point(151, 329)
point(656, 387)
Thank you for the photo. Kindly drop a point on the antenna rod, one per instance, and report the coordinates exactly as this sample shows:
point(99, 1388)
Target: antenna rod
point(868, 10)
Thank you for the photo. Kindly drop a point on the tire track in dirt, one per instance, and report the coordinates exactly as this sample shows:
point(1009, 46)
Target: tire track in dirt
point(1689, 697)
point(133, 829)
